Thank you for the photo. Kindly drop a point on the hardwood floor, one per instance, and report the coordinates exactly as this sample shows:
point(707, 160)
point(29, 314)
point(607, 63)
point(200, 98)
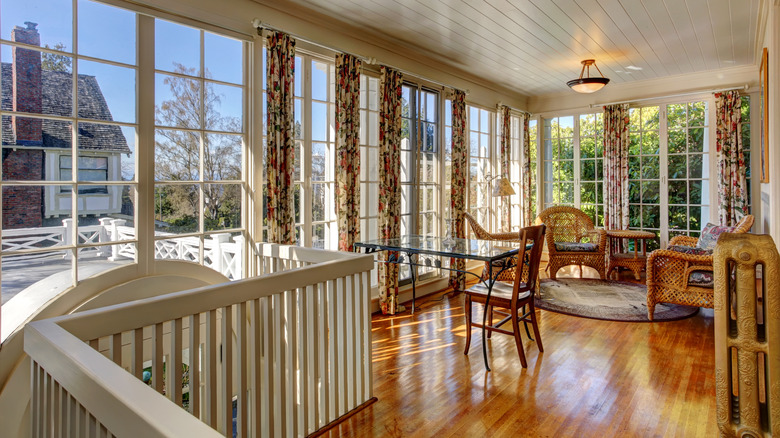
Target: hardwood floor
point(595, 378)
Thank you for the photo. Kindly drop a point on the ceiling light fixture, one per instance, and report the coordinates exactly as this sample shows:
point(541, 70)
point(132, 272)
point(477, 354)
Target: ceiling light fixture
point(588, 84)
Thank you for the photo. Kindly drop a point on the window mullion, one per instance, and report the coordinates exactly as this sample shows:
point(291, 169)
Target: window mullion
point(663, 173)
point(577, 163)
point(307, 228)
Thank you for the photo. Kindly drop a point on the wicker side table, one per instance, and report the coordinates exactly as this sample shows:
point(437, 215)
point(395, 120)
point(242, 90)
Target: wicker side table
point(635, 261)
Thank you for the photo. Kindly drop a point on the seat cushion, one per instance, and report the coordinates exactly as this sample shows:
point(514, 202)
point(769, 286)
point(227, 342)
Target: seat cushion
point(709, 235)
point(500, 290)
point(701, 279)
point(575, 247)
point(689, 250)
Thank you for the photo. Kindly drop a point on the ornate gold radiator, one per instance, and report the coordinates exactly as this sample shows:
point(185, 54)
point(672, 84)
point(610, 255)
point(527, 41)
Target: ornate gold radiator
point(747, 335)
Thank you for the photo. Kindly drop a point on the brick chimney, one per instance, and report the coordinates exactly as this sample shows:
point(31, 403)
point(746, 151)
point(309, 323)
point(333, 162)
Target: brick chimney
point(27, 93)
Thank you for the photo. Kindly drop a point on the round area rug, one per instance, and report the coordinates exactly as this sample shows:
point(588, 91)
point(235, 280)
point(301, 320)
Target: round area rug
point(602, 299)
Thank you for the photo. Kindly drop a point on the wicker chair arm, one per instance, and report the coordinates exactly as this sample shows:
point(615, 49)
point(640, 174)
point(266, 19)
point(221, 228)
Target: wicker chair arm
point(684, 241)
point(704, 260)
point(512, 237)
point(602, 239)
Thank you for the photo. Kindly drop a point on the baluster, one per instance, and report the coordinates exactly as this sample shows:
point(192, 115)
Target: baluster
point(157, 358)
point(210, 405)
point(175, 363)
point(227, 370)
point(241, 377)
point(333, 331)
point(137, 354)
point(194, 365)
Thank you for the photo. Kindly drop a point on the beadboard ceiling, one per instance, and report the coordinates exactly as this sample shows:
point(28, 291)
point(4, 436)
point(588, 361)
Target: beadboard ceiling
point(535, 46)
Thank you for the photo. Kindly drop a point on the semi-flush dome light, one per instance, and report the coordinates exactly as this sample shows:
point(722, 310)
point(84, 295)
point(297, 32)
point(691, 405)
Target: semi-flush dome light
point(588, 84)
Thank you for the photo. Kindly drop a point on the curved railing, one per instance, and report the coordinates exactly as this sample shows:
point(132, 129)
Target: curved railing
point(286, 353)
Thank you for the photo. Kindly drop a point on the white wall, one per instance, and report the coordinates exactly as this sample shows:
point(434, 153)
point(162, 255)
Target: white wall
point(770, 193)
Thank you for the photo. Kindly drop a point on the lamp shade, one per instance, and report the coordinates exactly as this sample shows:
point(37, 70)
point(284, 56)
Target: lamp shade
point(503, 188)
point(588, 84)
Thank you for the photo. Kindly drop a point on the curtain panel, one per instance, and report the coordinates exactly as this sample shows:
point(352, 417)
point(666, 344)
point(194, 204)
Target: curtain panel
point(391, 82)
point(280, 146)
point(616, 123)
point(458, 184)
point(732, 186)
point(348, 149)
point(527, 177)
point(506, 121)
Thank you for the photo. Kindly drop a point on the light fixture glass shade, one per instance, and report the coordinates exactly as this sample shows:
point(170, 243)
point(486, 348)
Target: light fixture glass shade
point(503, 188)
point(587, 84)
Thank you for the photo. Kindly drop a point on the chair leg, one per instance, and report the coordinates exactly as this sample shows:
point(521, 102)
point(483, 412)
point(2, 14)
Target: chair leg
point(536, 327)
point(518, 340)
point(490, 320)
point(468, 325)
point(650, 302)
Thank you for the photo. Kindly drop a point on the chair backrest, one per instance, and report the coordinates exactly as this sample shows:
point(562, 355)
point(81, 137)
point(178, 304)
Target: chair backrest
point(535, 235)
point(479, 232)
point(565, 224)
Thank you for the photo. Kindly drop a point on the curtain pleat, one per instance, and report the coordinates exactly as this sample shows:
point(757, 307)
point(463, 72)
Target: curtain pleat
point(506, 120)
point(527, 176)
point(280, 145)
point(458, 184)
point(732, 186)
point(616, 123)
point(391, 82)
point(348, 149)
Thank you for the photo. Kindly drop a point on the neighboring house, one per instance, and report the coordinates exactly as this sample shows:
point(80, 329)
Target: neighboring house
point(40, 149)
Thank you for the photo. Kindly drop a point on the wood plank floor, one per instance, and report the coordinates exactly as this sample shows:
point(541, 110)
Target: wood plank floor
point(595, 378)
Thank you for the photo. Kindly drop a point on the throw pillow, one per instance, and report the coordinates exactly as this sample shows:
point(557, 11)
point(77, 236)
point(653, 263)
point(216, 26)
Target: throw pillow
point(709, 235)
point(689, 250)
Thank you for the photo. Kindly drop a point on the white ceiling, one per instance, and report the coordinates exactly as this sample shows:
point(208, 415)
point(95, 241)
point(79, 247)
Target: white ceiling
point(535, 46)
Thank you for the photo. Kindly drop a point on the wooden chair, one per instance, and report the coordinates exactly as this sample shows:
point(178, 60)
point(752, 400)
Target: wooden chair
point(512, 297)
point(669, 273)
point(573, 240)
point(481, 233)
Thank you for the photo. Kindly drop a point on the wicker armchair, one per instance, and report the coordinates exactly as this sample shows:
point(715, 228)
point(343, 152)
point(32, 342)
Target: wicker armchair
point(568, 230)
point(512, 236)
point(668, 273)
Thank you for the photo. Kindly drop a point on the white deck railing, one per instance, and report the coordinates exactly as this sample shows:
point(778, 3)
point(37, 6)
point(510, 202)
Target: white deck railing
point(288, 351)
point(219, 252)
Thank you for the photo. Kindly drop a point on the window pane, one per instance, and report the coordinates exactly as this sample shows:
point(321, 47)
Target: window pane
point(176, 48)
point(177, 155)
point(106, 32)
point(177, 102)
point(224, 108)
point(223, 57)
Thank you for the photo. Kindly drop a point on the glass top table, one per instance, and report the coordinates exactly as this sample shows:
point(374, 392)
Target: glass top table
point(490, 251)
point(473, 249)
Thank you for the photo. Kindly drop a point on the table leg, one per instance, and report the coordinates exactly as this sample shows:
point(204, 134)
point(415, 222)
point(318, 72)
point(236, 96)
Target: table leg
point(490, 282)
point(412, 269)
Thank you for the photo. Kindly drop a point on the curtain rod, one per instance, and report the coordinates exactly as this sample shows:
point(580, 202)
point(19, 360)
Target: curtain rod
point(744, 87)
point(500, 104)
point(259, 25)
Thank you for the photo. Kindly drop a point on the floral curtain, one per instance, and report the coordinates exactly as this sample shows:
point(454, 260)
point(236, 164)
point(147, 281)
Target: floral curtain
point(506, 120)
point(527, 176)
point(732, 187)
point(616, 124)
point(389, 184)
point(460, 154)
point(348, 149)
point(280, 146)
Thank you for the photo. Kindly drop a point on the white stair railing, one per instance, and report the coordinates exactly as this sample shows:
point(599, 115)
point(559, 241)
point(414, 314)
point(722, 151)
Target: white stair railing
point(290, 349)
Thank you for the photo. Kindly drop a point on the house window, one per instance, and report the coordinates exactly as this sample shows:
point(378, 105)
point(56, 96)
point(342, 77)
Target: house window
point(200, 137)
point(71, 116)
point(90, 169)
point(480, 166)
point(559, 161)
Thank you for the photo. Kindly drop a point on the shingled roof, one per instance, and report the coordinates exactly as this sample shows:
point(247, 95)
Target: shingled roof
point(57, 100)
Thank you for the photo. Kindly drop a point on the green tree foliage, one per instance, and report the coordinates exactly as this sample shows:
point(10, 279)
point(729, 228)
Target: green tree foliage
point(55, 62)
